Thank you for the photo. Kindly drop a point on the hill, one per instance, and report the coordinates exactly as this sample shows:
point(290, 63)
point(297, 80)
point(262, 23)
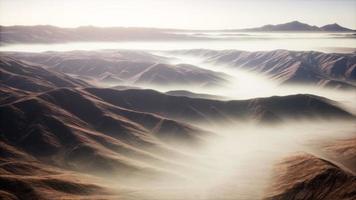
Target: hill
point(61, 138)
point(296, 26)
point(288, 67)
point(124, 67)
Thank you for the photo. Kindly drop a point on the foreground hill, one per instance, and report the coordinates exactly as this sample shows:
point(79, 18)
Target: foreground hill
point(305, 176)
point(76, 132)
point(343, 151)
point(23, 177)
point(313, 68)
point(331, 175)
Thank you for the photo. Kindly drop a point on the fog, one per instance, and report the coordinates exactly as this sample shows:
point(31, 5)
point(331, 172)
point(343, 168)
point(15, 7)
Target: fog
point(249, 41)
point(237, 161)
point(246, 85)
point(241, 84)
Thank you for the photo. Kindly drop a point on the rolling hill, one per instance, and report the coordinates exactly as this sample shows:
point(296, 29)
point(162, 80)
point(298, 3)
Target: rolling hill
point(288, 67)
point(61, 137)
point(124, 67)
point(53, 34)
point(321, 180)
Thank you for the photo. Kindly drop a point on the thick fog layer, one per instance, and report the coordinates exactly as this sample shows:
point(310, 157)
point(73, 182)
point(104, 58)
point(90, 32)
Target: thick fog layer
point(236, 162)
point(249, 41)
point(243, 84)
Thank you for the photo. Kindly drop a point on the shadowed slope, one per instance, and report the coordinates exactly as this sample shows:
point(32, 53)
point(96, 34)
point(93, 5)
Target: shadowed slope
point(73, 122)
point(184, 108)
point(23, 177)
point(53, 34)
point(23, 76)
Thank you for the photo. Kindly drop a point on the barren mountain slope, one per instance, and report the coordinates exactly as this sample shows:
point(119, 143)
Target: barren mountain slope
point(314, 68)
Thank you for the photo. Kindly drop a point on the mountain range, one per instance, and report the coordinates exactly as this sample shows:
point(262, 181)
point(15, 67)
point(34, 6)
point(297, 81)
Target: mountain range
point(299, 26)
point(125, 67)
point(64, 138)
point(334, 70)
point(140, 68)
point(53, 34)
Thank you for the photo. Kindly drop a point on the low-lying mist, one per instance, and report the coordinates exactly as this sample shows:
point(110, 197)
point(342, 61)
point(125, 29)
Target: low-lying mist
point(146, 145)
point(242, 84)
point(236, 161)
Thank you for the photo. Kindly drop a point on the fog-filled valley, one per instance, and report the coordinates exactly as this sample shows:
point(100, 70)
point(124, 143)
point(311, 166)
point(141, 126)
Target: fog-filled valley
point(159, 114)
point(224, 75)
point(178, 124)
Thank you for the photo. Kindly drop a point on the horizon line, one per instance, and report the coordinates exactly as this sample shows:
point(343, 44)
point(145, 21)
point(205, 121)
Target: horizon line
point(150, 27)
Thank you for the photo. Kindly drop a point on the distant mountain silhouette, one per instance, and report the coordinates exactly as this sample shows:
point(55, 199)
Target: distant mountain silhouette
point(53, 34)
point(291, 26)
point(335, 28)
point(298, 26)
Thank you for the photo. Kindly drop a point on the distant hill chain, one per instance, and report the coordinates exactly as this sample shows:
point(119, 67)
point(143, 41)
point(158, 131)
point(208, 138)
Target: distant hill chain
point(52, 34)
point(58, 132)
point(298, 26)
point(288, 67)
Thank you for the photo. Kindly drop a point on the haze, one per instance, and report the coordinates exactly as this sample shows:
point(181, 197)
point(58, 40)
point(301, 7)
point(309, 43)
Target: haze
point(183, 14)
point(178, 112)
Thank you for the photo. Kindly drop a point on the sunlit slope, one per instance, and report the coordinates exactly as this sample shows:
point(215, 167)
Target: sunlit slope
point(125, 67)
point(308, 177)
point(288, 67)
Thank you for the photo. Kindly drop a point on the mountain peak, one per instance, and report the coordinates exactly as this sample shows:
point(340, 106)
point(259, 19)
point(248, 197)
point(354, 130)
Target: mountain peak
point(300, 26)
point(290, 26)
point(295, 22)
point(334, 27)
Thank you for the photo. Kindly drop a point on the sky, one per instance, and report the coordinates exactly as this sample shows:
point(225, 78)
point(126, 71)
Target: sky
point(183, 14)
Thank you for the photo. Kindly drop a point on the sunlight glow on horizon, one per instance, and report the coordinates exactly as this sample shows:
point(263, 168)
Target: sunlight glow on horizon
point(198, 14)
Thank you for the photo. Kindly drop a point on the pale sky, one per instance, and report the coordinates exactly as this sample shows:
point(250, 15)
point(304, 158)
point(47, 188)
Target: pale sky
point(189, 14)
